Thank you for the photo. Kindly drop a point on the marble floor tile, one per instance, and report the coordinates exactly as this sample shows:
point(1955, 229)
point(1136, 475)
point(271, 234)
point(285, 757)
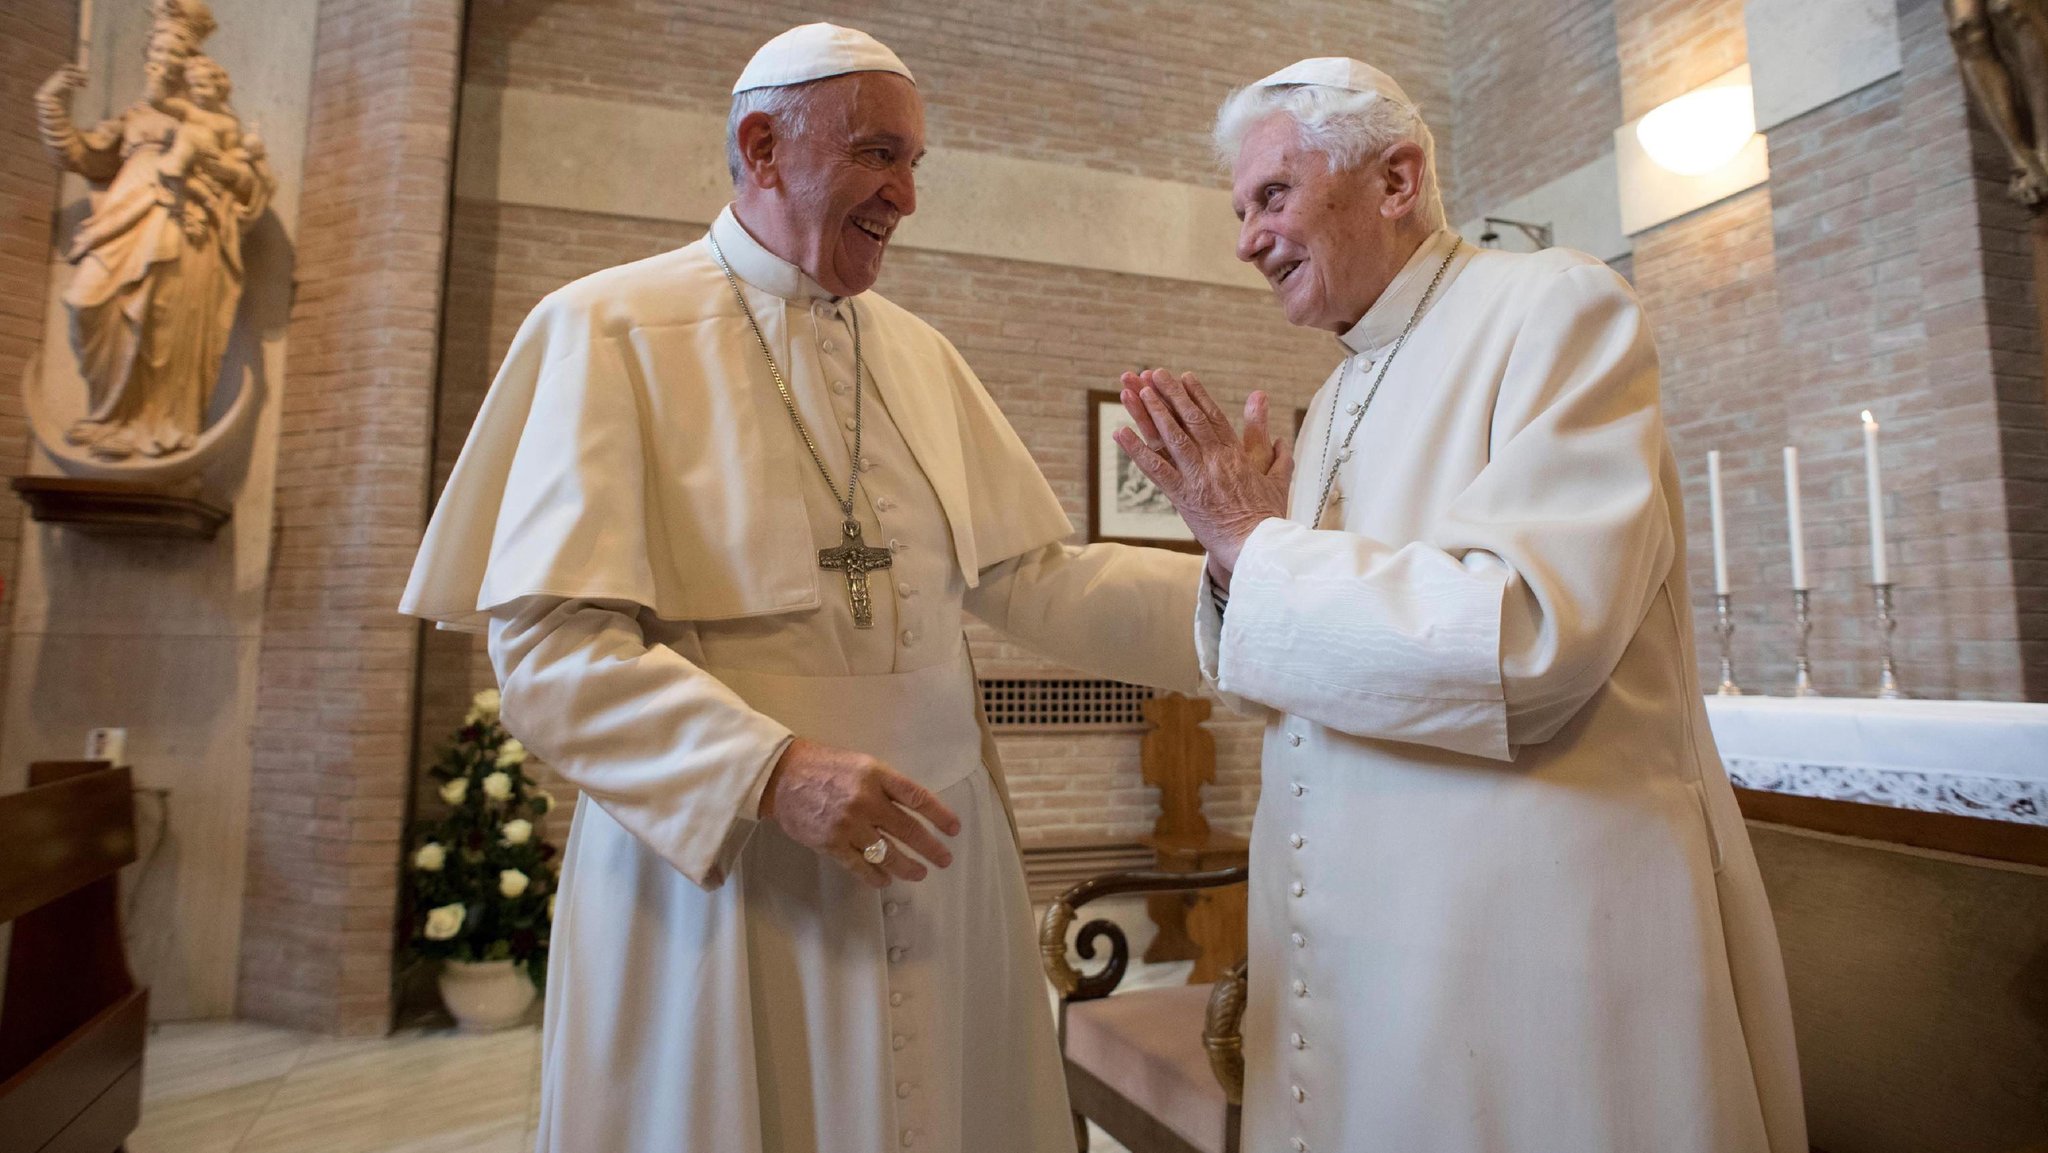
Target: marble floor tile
point(438, 1092)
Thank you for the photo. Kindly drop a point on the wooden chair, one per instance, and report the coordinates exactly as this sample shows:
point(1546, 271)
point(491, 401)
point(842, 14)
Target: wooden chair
point(1161, 1070)
point(73, 1022)
point(1178, 757)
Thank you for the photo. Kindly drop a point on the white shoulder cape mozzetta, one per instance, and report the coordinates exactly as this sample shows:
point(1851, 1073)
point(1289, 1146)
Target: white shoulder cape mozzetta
point(633, 448)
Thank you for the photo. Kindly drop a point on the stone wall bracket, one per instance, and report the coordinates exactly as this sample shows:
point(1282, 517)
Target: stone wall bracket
point(119, 507)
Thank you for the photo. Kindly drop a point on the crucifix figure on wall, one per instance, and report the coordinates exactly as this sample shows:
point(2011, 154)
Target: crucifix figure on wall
point(2002, 47)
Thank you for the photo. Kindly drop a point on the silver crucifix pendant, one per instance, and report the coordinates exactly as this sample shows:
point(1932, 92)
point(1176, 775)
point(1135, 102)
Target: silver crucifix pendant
point(856, 560)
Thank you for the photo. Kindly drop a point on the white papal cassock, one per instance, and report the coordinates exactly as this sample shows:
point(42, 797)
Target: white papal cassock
point(637, 521)
point(1502, 899)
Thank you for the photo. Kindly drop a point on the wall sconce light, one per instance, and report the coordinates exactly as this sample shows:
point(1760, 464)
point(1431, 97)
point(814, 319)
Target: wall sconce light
point(1700, 131)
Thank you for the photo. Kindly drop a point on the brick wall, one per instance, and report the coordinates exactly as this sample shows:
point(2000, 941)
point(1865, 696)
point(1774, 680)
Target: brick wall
point(1882, 268)
point(335, 705)
point(1119, 85)
point(1537, 94)
point(36, 37)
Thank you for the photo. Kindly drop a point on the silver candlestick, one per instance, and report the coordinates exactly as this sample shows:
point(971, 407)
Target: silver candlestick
point(1887, 678)
point(1802, 668)
point(1724, 624)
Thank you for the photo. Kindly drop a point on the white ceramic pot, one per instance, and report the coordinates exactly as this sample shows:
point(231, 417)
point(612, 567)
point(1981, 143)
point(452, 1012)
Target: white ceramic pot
point(485, 996)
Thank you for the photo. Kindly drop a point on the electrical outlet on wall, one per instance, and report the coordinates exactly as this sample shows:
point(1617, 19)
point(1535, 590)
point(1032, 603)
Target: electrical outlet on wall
point(110, 745)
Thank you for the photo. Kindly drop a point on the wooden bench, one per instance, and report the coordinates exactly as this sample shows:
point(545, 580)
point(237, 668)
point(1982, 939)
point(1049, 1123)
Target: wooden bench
point(73, 1021)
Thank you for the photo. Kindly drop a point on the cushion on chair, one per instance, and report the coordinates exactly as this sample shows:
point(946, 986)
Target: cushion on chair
point(1147, 1045)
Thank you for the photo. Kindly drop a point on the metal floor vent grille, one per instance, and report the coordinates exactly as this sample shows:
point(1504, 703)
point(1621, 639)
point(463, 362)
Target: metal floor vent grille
point(1064, 705)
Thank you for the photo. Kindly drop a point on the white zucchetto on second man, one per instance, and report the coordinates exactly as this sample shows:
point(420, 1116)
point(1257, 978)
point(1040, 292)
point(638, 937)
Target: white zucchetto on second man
point(721, 513)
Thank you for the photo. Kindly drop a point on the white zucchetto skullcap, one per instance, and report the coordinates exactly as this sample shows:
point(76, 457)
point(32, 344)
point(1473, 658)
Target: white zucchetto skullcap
point(1337, 72)
point(813, 52)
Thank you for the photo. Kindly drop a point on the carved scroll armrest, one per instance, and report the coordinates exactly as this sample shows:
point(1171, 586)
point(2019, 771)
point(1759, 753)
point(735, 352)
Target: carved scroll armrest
point(1073, 985)
point(1223, 1033)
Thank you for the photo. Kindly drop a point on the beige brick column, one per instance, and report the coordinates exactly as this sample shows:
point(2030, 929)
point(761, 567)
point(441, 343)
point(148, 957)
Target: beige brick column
point(335, 707)
point(36, 36)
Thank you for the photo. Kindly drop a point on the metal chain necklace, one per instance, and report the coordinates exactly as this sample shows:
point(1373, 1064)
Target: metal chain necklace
point(1358, 410)
point(852, 557)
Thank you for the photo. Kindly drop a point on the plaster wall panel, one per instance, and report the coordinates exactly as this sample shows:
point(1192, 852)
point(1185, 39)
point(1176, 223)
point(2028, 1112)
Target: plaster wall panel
point(549, 150)
point(1806, 53)
point(1582, 207)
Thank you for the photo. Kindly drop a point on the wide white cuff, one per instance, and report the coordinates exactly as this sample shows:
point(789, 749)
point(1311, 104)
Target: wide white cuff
point(1383, 643)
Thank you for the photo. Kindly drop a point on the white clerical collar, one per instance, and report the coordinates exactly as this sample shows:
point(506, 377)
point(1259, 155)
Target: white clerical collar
point(760, 267)
point(1383, 322)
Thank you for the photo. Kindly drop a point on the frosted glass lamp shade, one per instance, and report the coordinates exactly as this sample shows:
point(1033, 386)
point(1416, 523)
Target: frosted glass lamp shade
point(1700, 131)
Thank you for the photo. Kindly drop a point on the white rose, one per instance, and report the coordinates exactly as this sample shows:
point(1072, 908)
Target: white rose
point(428, 858)
point(518, 832)
point(544, 799)
point(444, 922)
point(484, 706)
point(512, 882)
point(511, 753)
point(455, 790)
point(497, 786)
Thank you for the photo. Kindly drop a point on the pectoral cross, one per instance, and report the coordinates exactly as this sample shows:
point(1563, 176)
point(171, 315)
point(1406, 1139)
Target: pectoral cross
point(856, 560)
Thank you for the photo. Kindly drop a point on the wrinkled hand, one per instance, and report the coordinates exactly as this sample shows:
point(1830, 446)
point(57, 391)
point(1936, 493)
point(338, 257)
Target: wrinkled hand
point(1223, 484)
point(835, 802)
point(62, 83)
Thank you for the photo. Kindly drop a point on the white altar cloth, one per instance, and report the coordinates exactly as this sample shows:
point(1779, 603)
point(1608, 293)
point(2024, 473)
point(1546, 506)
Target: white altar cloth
point(1977, 758)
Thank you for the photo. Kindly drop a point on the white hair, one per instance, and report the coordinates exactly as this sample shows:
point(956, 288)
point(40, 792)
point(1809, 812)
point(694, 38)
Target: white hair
point(1349, 127)
point(788, 106)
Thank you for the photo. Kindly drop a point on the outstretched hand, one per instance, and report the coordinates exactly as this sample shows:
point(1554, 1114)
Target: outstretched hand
point(836, 802)
point(1223, 484)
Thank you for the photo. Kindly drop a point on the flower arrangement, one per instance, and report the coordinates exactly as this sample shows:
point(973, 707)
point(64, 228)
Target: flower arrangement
point(483, 880)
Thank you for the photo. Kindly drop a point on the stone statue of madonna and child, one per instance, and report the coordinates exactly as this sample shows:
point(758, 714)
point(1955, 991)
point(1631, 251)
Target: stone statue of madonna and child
point(157, 264)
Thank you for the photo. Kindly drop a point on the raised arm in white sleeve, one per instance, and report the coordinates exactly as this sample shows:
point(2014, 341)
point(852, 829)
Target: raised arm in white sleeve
point(1516, 604)
point(1107, 609)
point(665, 748)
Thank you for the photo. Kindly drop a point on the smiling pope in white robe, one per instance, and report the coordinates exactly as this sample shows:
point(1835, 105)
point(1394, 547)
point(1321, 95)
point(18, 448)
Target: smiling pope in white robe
point(637, 522)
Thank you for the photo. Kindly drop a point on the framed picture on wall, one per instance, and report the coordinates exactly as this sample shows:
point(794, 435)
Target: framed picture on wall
point(1123, 505)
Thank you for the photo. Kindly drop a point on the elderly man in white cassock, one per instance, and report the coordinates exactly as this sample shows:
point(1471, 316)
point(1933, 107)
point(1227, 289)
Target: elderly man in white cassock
point(720, 514)
point(1502, 899)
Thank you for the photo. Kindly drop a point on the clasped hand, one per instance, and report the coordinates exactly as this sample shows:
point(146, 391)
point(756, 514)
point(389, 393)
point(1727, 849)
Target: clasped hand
point(1223, 484)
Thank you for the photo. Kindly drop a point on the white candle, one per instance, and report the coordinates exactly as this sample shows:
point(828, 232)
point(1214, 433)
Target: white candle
point(85, 34)
point(1794, 525)
point(1875, 486)
point(1720, 524)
